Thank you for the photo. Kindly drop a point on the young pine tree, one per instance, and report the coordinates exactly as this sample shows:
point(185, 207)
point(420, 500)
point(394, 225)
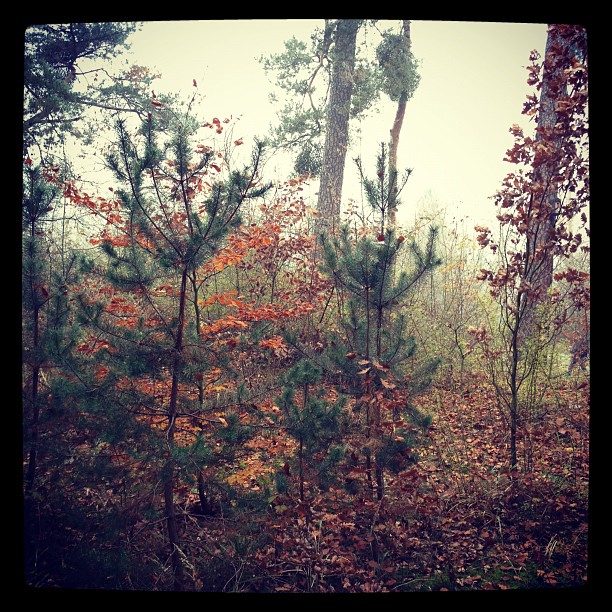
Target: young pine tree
point(48, 336)
point(374, 337)
point(314, 423)
point(171, 215)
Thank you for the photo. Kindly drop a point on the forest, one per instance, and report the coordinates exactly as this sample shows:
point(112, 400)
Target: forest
point(231, 385)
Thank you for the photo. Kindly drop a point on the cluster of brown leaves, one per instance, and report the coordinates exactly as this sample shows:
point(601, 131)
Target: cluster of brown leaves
point(457, 520)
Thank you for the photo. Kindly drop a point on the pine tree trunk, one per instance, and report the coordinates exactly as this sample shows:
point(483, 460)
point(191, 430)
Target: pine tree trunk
point(393, 145)
point(172, 525)
point(169, 468)
point(395, 131)
point(336, 133)
point(198, 318)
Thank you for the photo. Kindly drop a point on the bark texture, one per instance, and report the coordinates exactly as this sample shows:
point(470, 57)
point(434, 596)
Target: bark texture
point(336, 135)
point(397, 128)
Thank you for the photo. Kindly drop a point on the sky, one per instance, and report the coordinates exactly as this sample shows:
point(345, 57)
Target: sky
point(456, 128)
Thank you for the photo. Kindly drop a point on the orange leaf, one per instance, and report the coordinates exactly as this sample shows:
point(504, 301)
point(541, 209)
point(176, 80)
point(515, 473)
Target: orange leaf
point(380, 366)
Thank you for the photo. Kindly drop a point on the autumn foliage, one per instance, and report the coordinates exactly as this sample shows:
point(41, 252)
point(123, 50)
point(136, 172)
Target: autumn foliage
point(217, 399)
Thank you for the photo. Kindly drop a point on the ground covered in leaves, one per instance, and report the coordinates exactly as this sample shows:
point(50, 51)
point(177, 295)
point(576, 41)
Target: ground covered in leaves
point(455, 520)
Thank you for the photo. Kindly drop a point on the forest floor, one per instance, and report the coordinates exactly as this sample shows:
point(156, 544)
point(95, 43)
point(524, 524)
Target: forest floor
point(455, 520)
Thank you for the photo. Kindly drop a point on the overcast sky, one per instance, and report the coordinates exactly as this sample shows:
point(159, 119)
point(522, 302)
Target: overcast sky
point(455, 132)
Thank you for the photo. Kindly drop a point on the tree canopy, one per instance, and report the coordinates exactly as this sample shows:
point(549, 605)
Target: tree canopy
point(60, 76)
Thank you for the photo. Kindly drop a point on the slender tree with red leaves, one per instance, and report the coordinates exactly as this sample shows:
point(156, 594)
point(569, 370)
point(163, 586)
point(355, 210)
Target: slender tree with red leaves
point(542, 212)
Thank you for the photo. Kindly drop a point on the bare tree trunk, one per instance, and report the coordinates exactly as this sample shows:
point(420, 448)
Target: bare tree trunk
point(546, 193)
point(396, 129)
point(546, 198)
point(336, 132)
